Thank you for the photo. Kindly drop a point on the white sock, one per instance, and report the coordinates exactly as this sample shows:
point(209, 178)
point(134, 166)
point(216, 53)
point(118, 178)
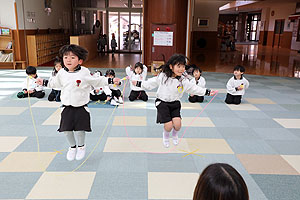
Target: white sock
point(175, 136)
point(166, 136)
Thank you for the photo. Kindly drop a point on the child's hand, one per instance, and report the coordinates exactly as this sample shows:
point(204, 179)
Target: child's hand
point(212, 93)
point(108, 98)
point(25, 91)
point(97, 91)
point(134, 83)
point(116, 81)
point(39, 81)
point(240, 88)
point(30, 91)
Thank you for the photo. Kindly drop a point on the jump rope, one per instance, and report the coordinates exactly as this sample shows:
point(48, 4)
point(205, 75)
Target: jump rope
point(102, 134)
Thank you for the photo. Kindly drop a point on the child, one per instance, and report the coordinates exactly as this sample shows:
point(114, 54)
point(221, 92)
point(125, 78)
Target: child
point(171, 84)
point(75, 82)
point(137, 73)
point(236, 86)
point(116, 94)
point(199, 81)
point(55, 92)
point(29, 85)
point(220, 181)
point(98, 94)
point(113, 44)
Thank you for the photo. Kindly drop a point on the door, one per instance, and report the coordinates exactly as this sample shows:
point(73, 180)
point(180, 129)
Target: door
point(278, 32)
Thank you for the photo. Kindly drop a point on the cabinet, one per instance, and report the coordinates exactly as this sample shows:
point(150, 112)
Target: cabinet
point(7, 55)
point(44, 48)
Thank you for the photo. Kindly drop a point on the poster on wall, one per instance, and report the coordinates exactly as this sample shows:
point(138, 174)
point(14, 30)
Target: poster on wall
point(163, 38)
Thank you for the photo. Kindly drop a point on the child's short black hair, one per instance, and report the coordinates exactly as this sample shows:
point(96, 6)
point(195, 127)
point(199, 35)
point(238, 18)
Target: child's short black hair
point(98, 71)
point(196, 68)
point(110, 72)
point(239, 68)
point(30, 70)
point(79, 51)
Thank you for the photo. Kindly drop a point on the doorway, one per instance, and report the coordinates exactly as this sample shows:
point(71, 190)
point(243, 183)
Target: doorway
point(127, 28)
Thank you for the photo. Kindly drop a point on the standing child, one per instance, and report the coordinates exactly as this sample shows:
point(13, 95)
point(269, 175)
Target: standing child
point(171, 85)
point(75, 82)
point(55, 92)
point(113, 44)
point(116, 93)
point(30, 88)
point(137, 73)
point(199, 81)
point(236, 86)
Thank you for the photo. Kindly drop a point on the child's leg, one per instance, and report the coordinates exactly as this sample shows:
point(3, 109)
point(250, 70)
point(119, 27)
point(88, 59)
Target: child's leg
point(72, 149)
point(229, 98)
point(51, 96)
point(200, 99)
point(38, 94)
point(133, 95)
point(237, 99)
point(192, 99)
point(166, 133)
point(81, 144)
point(143, 96)
point(176, 127)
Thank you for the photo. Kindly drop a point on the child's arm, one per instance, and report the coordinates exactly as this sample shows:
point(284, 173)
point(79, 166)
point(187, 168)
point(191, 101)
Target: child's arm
point(128, 70)
point(194, 89)
point(101, 81)
point(145, 70)
point(150, 84)
point(107, 91)
point(246, 84)
point(230, 86)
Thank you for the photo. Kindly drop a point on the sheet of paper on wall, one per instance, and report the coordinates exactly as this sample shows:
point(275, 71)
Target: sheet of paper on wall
point(163, 38)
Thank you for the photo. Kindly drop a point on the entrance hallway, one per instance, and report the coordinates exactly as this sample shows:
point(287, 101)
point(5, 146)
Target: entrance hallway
point(257, 59)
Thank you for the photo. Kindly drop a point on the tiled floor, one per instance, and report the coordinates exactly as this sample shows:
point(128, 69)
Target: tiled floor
point(125, 156)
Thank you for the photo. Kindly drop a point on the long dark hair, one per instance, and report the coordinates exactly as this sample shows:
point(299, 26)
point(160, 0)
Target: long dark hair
point(175, 59)
point(56, 61)
point(220, 181)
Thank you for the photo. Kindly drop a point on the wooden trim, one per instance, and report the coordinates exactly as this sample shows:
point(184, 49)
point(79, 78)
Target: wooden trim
point(18, 50)
point(188, 41)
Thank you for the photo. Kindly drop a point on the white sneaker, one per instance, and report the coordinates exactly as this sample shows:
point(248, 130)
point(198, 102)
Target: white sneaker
point(71, 154)
point(116, 99)
point(120, 100)
point(114, 103)
point(175, 139)
point(80, 153)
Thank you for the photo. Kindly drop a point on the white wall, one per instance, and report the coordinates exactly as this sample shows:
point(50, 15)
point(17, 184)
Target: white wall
point(207, 10)
point(7, 14)
point(36, 17)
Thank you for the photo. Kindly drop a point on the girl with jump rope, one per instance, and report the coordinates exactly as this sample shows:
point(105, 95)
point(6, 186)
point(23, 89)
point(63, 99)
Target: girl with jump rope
point(172, 82)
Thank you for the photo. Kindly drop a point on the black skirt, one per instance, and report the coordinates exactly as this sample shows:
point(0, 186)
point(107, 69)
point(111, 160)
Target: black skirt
point(75, 119)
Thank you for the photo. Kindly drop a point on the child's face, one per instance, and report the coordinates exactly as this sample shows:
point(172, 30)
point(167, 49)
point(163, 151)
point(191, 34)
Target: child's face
point(110, 76)
point(138, 70)
point(57, 66)
point(197, 74)
point(238, 73)
point(71, 61)
point(177, 69)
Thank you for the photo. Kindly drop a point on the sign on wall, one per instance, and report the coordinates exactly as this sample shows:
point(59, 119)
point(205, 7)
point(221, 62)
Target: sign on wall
point(163, 38)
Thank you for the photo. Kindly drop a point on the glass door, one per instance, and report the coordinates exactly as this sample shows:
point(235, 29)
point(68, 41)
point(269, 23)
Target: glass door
point(127, 29)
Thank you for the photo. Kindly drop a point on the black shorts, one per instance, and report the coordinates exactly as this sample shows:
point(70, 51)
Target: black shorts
point(75, 119)
point(166, 111)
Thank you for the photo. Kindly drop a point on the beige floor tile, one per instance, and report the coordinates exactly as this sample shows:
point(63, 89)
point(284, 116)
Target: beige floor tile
point(210, 146)
point(260, 101)
point(130, 121)
point(191, 106)
point(47, 104)
point(54, 119)
point(171, 185)
point(266, 164)
point(9, 144)
point(288, 123)
point(134, 105)
point(220, 90)
point(198, 122)
point(27, 161)
point(293, 160)
point(63, 185)
point(143, 145)
point(242, 107)
point(12, 110)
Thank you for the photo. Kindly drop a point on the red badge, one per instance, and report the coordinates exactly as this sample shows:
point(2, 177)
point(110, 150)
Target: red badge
point(78, 82)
